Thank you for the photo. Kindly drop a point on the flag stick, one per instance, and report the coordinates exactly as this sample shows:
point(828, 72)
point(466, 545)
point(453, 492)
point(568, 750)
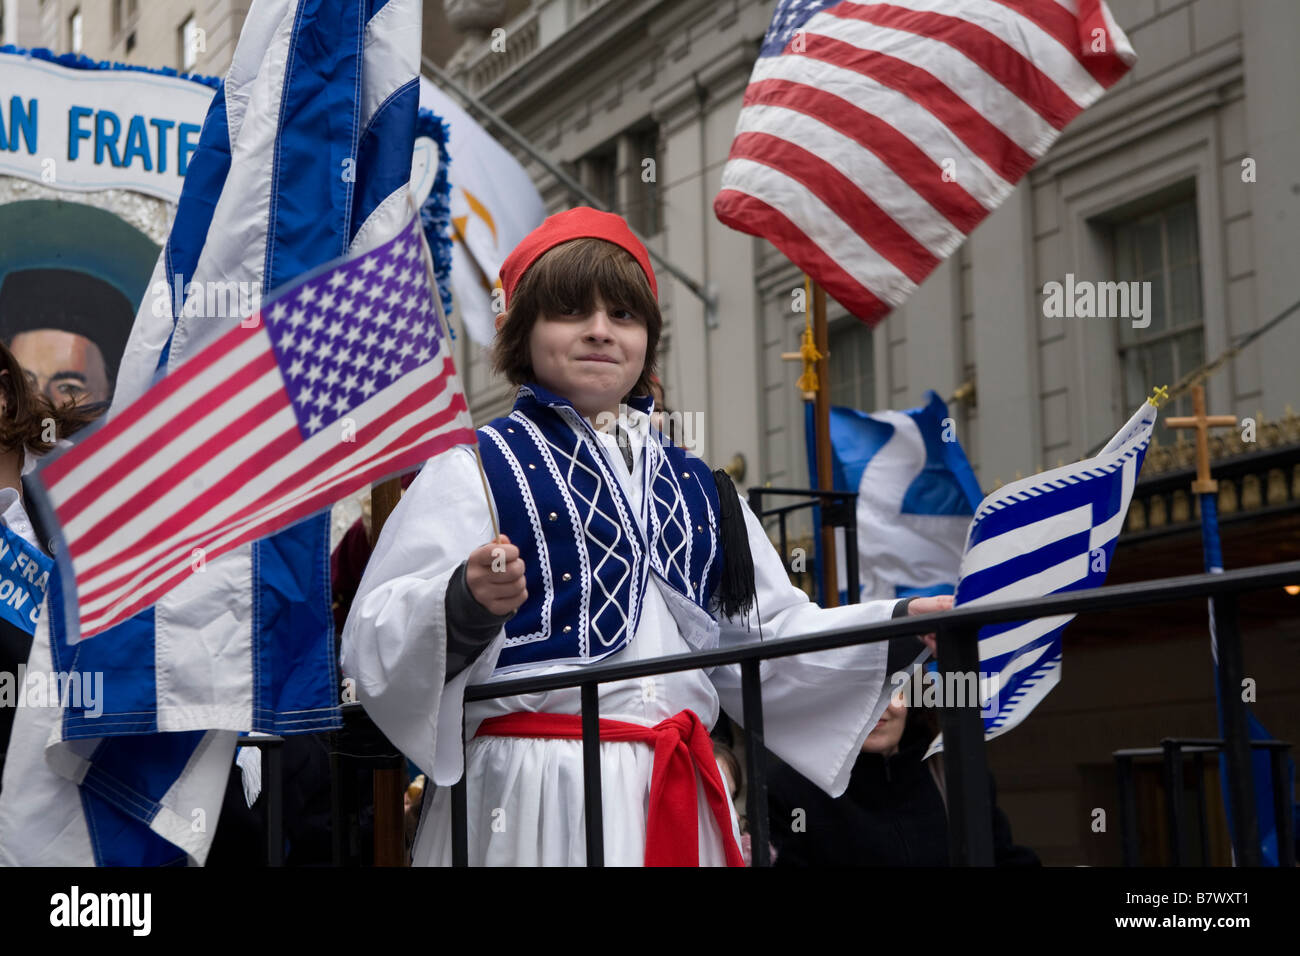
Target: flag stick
point(442, 331)
point(487, 493)
point(822, 422)
point(390, 783)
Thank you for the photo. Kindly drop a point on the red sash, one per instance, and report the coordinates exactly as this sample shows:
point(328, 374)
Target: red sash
point(682, 747)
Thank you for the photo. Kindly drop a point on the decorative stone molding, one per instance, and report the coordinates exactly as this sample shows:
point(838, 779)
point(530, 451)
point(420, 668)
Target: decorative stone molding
point(480, 66)
point(472, 17)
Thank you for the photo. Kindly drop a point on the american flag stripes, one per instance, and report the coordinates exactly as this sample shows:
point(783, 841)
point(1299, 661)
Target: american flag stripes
point(875, 136)
point(341, 380)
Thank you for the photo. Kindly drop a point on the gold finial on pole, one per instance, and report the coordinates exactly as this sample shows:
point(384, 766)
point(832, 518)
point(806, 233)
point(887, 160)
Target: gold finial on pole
point(965, 392)
point(808, 382)
point(808, 353)
point(1159, 395)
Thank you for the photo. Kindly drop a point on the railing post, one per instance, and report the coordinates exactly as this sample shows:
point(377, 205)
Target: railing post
point(785, 540)
point(592, 810)
point(851, 560)
point(970, 812)
point(751, 690)
point(1173, 772)
point(1236, 732)
point(336, 801)
point(273, 787)
point(459, 823)
point(1285, 828)
point(1128, 834)
point(460, 806)
point(1202, 814)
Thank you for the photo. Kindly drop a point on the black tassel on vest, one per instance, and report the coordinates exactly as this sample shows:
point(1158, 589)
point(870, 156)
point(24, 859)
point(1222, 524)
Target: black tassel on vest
point(736, 590)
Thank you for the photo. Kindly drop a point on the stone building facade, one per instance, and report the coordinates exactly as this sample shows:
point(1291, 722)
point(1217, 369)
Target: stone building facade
point(1155, 174)
point(192, 36)
point(1185, 176)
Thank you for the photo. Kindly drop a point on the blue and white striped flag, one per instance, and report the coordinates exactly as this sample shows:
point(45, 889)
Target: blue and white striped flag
point(916, 495)
point(304, 156)
point(1051, 532)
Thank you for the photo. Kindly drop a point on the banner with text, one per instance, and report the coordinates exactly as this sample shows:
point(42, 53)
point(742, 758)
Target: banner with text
point(98, 129)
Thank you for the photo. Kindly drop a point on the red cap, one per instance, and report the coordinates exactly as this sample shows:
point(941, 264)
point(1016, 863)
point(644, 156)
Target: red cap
point(580, 223)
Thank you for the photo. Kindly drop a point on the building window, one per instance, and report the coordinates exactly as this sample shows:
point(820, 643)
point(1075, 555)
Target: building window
point(189, 37)
point(74, 31)
point(600, 175)
point(1160, 247)
point(623, 175)
point(644, 206)
point(852, 365)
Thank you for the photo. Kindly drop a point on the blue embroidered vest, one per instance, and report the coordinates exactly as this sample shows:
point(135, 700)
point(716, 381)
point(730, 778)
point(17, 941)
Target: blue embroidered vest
point(587, 561)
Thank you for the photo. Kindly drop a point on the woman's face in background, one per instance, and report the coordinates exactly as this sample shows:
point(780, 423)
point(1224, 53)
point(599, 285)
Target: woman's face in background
point(884, 737)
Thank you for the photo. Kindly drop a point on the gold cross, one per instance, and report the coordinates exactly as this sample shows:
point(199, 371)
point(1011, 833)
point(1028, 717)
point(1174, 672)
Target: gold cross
point(1203, 484)
point(809, 356)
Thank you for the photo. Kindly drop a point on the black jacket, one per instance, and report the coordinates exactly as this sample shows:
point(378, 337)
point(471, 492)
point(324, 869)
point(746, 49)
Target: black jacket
point(891, 815)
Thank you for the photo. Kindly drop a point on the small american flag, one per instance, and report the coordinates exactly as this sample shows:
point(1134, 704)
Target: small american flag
point(875, 136)
point(346, 378)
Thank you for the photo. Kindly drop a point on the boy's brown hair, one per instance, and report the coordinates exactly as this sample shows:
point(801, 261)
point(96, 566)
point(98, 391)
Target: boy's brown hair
point(28, 413)
point(570, 276)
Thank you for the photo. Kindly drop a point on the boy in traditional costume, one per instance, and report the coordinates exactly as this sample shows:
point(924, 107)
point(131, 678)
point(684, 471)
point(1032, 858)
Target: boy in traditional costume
point(615, 546)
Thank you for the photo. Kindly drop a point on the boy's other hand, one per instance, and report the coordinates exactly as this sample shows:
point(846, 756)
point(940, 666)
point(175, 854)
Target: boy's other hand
point(494, 574)
point(928, 605)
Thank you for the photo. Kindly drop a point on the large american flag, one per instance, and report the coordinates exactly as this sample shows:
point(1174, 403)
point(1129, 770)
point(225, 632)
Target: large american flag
point(340, 380)
point(875, 136)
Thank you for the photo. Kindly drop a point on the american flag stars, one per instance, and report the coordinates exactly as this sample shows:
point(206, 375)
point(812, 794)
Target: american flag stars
point(354, 330)
point(790, 15)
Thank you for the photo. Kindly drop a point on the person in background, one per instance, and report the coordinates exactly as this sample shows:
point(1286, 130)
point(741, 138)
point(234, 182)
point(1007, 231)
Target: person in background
point(894, 812)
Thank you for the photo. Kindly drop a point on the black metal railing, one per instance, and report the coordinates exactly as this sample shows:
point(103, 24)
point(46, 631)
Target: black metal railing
point(1234, 471)
point(970, 817)
point(1173, 752)
point(271, 748)
point(357, 749)
point(838, 510)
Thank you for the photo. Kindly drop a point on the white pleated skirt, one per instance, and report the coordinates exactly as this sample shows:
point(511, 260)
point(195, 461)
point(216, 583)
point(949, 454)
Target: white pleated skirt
point(525, 806)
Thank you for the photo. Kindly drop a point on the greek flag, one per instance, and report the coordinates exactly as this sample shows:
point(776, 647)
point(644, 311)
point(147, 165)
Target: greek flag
point(305, 156)
point(916, 494)
point(1051, 532)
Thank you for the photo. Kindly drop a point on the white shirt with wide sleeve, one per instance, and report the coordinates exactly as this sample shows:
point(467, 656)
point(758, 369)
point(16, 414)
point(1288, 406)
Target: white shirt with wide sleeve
point(525, 795)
